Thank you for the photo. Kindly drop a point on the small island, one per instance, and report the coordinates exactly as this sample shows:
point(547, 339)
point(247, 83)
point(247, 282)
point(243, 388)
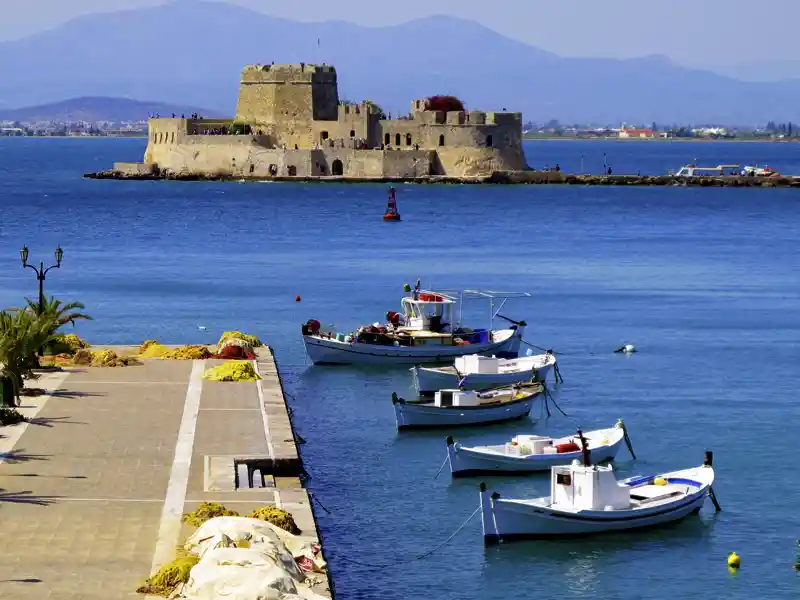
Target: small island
point(290, 123)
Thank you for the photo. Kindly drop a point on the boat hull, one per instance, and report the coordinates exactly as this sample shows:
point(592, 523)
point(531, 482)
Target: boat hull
point(410, 416)
point(428, 381)
point(334, 352)
point(465, 462)
point(515, 519)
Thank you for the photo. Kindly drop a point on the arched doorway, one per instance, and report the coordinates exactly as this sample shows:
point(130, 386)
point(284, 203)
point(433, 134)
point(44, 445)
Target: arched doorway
point(386, 139)
point(397, 139)
point(441, 140)
point(408, 139)
point(489, 141)
point(291, 170)
point(337, 168)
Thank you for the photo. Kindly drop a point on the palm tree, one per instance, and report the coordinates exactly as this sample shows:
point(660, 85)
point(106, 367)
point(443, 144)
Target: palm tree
point(21, 334)
point(58, 312)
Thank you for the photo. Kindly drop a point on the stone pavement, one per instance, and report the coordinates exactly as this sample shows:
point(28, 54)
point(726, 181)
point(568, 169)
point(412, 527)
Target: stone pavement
point(93, 486)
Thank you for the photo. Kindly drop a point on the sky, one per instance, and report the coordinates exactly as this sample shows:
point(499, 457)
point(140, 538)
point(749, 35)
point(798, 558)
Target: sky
point(690, 32)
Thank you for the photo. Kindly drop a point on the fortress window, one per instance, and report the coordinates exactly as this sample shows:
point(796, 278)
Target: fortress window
point(173, 137)
point(352, 133)
point(324, 135)
point(441, 140)
point(489, 141)
point(397, 139)
point(386, 139)
point(408, 139)
point(252, 168)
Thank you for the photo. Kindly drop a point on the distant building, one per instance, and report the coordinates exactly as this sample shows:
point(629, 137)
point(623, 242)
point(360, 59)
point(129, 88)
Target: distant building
point(637, 133)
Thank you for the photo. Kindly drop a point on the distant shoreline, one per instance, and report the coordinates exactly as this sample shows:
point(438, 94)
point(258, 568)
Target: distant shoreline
point(660, 140)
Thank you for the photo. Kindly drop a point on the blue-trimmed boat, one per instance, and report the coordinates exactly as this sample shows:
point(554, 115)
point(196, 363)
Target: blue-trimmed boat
point(587, 499)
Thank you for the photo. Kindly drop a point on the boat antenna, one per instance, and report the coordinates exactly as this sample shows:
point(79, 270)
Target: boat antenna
point(585, 447)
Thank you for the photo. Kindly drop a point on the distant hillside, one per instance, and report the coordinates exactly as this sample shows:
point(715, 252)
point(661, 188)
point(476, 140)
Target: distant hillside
point(96, 109)
point(191, 52)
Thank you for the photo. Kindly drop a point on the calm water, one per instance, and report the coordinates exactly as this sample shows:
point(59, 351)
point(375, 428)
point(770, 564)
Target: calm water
point(704, 282)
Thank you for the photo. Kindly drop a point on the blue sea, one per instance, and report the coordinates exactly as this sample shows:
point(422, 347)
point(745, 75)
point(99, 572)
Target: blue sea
point(705, 283)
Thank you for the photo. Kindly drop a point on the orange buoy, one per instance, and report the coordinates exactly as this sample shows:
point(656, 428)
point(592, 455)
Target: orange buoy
point(297, 298)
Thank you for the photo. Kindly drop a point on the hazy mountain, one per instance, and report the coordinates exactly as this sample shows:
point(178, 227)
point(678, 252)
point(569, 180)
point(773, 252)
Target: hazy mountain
point(95, 109)
point(192, 52)
point(766, 70)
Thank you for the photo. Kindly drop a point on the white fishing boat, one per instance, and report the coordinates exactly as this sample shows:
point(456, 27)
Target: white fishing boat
point(587, 499)
point(428, 330)
point(718, 171)
point(466, 407)
point(529, 453)
point(476, 372)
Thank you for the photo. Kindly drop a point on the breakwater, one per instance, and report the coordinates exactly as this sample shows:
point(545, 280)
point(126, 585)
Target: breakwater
point(497, 178)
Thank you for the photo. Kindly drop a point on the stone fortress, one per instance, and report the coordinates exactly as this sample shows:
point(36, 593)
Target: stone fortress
point(290, 123)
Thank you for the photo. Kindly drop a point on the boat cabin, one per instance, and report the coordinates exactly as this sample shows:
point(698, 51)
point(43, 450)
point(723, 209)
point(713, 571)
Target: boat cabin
point(429, 311)
point(718, 171)
point(575, 487)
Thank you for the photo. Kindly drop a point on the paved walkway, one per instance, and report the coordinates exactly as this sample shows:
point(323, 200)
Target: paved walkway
point(93, 487)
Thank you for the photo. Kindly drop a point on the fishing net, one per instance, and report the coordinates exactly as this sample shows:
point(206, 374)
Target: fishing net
point(234, 353)
point(232, 371)
point(188, 353)
point(206, 511)
point(170, 576)
point(152, 349)
point(276, 516)
point(254, 341)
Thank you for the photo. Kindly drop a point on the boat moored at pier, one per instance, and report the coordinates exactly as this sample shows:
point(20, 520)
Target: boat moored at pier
point(466, 407)
point(476, 372)
point(428, 330)
point(530, 453)
point(587, 499)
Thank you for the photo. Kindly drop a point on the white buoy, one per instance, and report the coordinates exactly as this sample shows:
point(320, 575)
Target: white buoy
point(201, 327)
point(627, 349)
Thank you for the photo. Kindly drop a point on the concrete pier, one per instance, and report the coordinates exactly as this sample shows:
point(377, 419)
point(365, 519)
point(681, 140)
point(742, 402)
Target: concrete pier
point(93, 486)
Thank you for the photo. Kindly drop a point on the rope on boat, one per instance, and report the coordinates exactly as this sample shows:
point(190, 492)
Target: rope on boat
point(415, 558)
point(315, 499)
point(548, 397)
point(446, 458)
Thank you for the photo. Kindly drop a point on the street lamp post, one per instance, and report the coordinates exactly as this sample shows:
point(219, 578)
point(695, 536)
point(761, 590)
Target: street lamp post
point(41, 273)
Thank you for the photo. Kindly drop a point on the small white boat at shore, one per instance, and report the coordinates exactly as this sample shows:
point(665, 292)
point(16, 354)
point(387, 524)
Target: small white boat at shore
point(467, 407)
point(428, 330)
point(482, 372)
point(587, 499)
point(530, 453)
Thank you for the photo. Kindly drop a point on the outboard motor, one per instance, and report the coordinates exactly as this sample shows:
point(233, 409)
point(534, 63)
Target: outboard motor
point(311, 327)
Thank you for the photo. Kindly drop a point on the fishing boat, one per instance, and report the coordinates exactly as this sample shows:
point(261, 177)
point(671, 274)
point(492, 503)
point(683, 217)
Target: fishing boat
point(759, 172)
point(466, 407)
point(586, 499)
point(428, 330)
point(475, 372)
point(718, 171)
point(529, 453)
point(391, 213)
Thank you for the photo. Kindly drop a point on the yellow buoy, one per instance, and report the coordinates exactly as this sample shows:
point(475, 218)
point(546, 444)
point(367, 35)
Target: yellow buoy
point(734, 561)
point(660, 481)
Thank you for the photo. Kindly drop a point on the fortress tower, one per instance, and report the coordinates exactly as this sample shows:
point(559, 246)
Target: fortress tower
point(299, 93)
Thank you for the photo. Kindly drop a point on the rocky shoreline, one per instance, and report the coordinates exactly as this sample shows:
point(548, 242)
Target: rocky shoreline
point(497, 178)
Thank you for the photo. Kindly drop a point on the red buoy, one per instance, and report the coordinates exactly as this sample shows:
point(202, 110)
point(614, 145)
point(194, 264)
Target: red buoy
point(297, 298)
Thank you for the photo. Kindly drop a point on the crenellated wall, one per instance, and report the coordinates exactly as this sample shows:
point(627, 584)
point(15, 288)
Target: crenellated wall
point(289, 121)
